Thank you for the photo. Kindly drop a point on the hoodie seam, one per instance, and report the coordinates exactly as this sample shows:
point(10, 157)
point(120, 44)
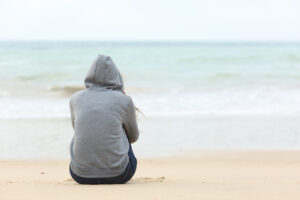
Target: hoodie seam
point(94, 78)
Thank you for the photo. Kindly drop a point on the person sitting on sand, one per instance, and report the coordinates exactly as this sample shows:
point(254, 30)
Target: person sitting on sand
point(104, 121)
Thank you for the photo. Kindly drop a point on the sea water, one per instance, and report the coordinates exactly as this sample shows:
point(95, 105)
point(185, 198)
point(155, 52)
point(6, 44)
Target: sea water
point(164, 78)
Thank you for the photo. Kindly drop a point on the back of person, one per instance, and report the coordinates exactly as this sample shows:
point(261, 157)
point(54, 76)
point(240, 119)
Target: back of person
point(104, 122)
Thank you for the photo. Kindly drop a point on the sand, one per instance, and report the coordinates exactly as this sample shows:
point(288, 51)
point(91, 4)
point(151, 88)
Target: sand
point(198, 174)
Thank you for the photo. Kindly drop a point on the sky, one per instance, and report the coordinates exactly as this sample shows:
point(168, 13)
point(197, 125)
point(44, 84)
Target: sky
point(224, 20)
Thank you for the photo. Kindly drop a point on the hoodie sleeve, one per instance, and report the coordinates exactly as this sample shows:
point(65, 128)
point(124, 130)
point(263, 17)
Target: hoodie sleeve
point(130, 123)
point(72, 115)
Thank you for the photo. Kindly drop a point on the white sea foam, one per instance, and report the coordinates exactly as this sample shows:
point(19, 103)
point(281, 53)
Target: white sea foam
point(264, 100)
point(229, 101)
point(12, 108)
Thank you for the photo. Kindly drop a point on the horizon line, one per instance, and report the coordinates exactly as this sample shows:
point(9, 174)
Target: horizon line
point(151, 41)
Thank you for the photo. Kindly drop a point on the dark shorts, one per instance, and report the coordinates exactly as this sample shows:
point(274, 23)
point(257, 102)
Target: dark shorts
point(123, 178)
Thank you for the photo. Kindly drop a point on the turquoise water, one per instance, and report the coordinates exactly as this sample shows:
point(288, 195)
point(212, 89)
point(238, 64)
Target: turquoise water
point(164, 78)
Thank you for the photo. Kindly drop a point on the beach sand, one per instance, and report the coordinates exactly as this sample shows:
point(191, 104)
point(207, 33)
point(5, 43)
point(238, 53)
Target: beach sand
point(198, 174)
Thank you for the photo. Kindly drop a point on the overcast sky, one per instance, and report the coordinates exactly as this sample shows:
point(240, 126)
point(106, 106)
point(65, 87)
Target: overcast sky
point(150, 19)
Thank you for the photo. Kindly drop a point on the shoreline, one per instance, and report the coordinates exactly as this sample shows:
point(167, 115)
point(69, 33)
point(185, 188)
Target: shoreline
point(50, 138)
point(209, 174)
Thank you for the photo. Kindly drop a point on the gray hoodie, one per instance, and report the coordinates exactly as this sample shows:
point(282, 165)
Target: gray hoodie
point(104, 122)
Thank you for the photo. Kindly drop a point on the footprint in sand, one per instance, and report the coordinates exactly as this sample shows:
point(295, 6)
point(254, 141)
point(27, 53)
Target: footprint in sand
point(150, 179)
point(10, 182)
point(6, 182)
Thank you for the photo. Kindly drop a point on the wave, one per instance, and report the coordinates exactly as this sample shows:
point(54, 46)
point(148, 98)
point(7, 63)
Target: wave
point(262, 100)
point(224, 76)
point(42, 76)
point(263, 77)
point(66, 89)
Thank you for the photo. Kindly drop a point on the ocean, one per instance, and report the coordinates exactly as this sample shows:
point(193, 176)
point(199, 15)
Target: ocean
point(165, 79)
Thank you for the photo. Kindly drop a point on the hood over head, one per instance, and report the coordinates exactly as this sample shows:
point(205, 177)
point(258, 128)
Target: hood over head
point(104, 74)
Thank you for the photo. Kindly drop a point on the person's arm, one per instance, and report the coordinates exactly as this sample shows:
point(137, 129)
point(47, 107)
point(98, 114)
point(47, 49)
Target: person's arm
point(130, 124)
point(72, 115)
